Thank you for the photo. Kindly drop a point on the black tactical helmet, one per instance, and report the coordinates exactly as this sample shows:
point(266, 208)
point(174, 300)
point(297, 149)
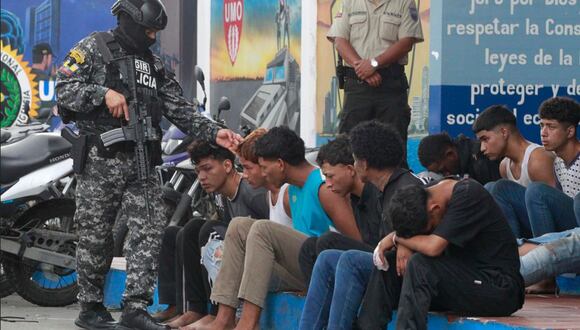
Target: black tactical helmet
point(149, 13)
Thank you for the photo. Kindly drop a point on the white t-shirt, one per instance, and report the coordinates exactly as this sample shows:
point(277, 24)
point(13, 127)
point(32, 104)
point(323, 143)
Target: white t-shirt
point(568, 177)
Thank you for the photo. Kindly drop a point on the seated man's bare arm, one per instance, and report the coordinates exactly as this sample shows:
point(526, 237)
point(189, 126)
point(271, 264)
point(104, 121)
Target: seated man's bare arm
point(340, 212)
point(541, 167)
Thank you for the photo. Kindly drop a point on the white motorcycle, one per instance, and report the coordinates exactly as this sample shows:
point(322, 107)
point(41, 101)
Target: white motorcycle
point(38, 240)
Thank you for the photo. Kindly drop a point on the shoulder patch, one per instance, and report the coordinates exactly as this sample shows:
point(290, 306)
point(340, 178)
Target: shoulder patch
point(78, 55)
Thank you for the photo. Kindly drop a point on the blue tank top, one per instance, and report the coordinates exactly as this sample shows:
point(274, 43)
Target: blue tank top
point(308, 216)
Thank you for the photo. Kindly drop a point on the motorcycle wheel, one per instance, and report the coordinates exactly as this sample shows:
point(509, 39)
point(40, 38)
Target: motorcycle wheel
point(7, 284)
point(43, 284)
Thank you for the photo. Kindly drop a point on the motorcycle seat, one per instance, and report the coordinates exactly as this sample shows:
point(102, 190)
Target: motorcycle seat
point(33, 152)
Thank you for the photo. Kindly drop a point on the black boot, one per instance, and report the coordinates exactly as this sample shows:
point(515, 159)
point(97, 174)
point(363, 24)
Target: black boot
point(95, 316)
point(139, 319)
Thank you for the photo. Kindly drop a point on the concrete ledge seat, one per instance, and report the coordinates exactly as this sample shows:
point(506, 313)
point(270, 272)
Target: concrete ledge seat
point(283, 310)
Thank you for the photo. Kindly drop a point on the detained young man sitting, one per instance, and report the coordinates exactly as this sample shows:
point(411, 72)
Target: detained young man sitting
point(551, 209)
point(466, 258)
point(443, 156)
point(183, 280)
point(337, 165)
point(339, 278)
point(277, 200)
point(523, 162)
point(265, 256)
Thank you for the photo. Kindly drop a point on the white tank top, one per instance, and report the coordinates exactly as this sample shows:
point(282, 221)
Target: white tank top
point(277, 212)
point(524, 178)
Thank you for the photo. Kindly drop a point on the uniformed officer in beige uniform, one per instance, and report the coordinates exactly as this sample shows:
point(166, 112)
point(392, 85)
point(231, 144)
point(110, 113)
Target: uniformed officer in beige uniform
point(374, 37)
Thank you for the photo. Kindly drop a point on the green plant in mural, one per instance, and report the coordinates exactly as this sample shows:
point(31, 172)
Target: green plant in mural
point(10, 97)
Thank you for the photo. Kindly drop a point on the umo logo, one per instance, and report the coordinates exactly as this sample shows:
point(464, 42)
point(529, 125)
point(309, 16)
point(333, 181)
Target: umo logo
point(18, 97)
point(233, 17)
point(144, 74)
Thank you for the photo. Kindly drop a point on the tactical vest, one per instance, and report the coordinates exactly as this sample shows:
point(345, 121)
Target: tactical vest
point(148, 75)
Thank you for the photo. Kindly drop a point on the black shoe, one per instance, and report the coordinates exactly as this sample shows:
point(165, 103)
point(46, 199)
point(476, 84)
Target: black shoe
point(140, 319)
point(95, 316)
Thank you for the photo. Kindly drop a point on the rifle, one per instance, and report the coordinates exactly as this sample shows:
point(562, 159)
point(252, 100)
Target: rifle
point(139, 129)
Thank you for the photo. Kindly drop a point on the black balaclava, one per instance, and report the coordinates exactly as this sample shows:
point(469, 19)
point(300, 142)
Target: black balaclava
point(131, 35)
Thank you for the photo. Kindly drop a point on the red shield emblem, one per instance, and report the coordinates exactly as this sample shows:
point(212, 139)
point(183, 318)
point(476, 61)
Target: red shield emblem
point(233, 17)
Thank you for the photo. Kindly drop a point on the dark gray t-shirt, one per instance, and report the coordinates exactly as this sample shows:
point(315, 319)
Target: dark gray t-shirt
point(248, 202)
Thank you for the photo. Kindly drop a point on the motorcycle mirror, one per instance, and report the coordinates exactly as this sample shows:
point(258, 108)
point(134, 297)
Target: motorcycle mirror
point(223, 105)
point(201, 80)
point(199, 76)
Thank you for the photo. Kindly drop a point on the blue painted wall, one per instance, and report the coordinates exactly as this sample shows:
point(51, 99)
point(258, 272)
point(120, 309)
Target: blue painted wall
point(460, 61)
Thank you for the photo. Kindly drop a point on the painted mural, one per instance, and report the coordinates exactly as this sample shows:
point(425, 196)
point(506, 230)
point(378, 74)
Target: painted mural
point(255, 61)
point(48, 28)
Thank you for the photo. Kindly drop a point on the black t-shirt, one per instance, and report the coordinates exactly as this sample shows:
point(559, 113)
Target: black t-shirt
point(474, 163)
point(478, 232)
point(248, 202)
point(367, 214)
point(400, 178)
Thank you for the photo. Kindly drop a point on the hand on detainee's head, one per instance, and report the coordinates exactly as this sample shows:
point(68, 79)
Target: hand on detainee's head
point(247, 154)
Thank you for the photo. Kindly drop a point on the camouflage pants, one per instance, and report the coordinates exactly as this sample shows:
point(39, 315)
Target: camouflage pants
point(105, 187)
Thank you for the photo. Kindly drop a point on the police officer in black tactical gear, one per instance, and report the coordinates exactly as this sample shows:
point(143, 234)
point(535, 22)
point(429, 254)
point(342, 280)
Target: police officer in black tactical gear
point(95, 90)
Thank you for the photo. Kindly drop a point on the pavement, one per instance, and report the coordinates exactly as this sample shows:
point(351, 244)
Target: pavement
point(18, 314)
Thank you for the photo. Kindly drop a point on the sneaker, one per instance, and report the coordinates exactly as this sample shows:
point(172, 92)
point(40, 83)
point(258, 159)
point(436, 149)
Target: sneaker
point(95, 316)
point(139, 319)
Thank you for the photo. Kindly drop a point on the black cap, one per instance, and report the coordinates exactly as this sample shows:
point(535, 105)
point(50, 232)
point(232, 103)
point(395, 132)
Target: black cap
point(39, 50)
point(42, 49)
